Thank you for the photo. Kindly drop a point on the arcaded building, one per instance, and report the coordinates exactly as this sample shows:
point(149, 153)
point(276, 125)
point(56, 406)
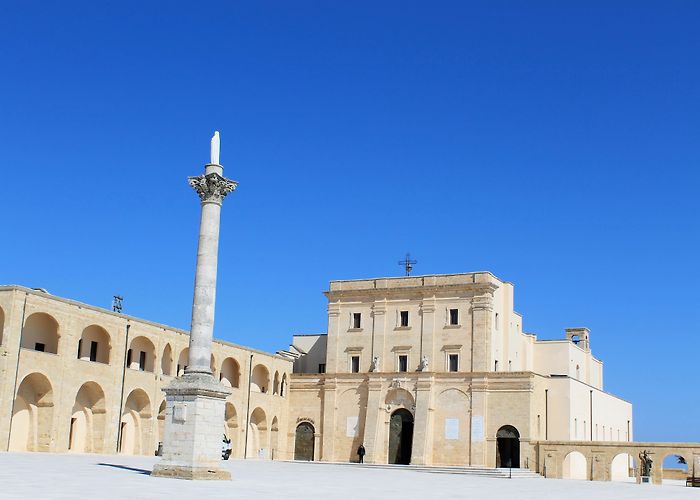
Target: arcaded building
point(78, 378)
point(422, 370)
point(438, 370)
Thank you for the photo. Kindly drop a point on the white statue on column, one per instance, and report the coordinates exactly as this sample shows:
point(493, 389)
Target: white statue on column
point(215, 148)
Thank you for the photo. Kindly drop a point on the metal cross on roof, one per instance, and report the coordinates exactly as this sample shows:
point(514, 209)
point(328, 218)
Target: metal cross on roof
point(407, 263)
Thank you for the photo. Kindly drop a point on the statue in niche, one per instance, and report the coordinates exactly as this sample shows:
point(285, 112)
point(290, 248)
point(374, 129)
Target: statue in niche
point(374, 366)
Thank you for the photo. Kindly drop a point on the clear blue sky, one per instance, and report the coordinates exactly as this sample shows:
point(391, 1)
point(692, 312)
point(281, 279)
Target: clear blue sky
point(556, 144)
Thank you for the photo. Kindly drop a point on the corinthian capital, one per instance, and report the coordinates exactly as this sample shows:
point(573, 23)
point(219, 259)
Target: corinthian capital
point(212, 187)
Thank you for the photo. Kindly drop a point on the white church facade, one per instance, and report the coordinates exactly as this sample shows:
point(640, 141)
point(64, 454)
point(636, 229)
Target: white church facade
point(437, 370)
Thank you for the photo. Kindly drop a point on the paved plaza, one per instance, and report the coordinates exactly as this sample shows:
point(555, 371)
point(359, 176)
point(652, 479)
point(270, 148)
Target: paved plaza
point(39, 475)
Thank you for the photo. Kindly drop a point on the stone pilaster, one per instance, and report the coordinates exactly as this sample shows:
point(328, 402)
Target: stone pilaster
point(428, 333)
point(423, 423)
point(373, 420)
point(329, 424)
point(482, 312)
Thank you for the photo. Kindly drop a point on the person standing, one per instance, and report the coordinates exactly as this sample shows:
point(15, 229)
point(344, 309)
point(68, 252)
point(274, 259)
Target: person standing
point(361, 454)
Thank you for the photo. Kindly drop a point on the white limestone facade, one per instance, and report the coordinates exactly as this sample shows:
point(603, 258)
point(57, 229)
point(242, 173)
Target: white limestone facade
point(438, 370)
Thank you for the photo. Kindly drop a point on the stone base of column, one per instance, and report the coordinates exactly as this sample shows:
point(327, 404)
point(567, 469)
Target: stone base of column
point(194, 428)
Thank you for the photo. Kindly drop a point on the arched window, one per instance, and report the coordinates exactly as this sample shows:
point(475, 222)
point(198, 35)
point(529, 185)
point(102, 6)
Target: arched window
point(283, 387)
point(261, 379)
point(40, 333)
point(230, 374)
point(166, 361)
point(141, 355)
point(94, 345)
point(276, 384)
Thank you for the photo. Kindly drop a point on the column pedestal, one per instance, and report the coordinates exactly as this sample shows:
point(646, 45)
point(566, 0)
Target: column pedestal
point(194, 416)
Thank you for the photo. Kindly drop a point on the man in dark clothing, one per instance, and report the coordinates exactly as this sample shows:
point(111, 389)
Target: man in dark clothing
point(361, 453)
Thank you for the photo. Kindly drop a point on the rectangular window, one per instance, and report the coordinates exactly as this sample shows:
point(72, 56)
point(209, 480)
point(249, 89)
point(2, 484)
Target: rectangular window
point(404, 318)
point(495, 366)
point(322, 368)
point(355, 364)
point(80, 347)
point(128, 358)
point(356, 320)
point(93, 351)
point(454, 362)
point(403, 363)
point(142, 361)
point(454, 317)
point(39, 346)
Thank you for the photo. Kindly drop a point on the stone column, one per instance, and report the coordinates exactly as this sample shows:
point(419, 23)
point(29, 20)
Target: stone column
point(195, 402)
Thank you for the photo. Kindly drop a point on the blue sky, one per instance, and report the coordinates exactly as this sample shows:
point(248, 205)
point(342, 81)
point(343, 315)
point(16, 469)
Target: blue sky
point(555, 144)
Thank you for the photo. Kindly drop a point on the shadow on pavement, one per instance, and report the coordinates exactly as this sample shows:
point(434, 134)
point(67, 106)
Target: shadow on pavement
point(133, 469)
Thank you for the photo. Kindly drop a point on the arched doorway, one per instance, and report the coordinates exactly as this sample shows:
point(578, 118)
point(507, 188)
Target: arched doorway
point(32, 418)
point(304, 442)
point(508, 447)
point(135, 424)
point(88, 422)
point(400, 437)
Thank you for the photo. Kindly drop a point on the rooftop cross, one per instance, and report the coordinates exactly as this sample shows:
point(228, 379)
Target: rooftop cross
point(407, 263)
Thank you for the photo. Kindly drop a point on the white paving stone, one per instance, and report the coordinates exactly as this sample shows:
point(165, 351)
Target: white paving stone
point(39, 475)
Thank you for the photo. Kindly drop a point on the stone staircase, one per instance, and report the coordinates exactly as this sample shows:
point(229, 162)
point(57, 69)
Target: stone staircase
point(470, 471)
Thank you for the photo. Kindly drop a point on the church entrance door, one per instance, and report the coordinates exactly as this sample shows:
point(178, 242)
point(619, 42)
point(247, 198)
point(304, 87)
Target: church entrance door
point(304, 442)
point(508, 447)
point(400, 437)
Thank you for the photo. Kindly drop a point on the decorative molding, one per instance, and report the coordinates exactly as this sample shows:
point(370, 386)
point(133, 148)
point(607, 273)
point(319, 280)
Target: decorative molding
point(212, 188)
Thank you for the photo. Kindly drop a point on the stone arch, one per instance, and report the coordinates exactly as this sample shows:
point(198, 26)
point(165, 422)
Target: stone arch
point(304, 441)
point(350, 423)
point(261, 379)
point(182, 360)
point(283, 386)
point(135, 424)
point(166, 361)
point(274, 438)
point(508, 447)
point(400, 437)
point(230, 374)
point(257, 434)
point(2, 325)
point(401, 398)
point(574, 466)
point(276, 383)
point(32, 416)
point(451, 427)
point(141, 355)
point(230, 421)
point(88, 420)
point(94, 345)
point(161, 421)
point(674, 465)
point(623, 467)
point(40, 333)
